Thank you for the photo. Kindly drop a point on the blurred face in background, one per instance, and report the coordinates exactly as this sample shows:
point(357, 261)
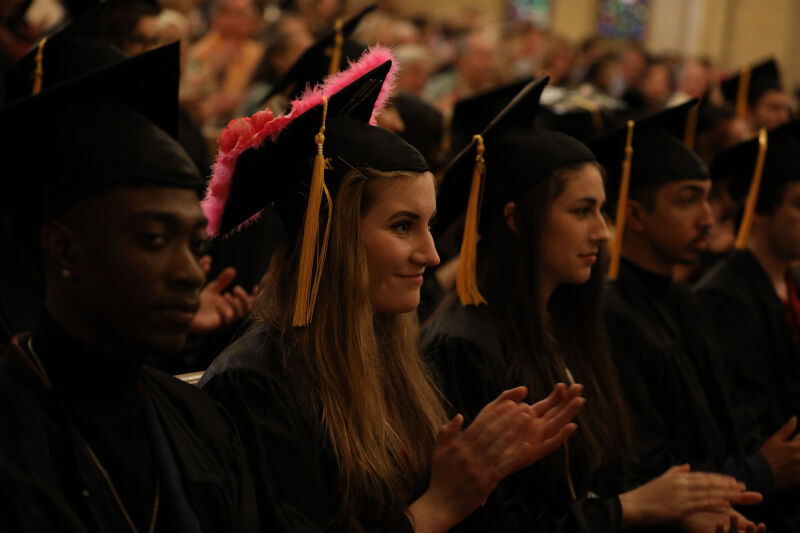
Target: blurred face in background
point(478, 65)
point(235, 19)
point(771, 110)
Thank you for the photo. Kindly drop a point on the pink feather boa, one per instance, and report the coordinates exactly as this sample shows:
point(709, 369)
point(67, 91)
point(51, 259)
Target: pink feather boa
point(246, 132)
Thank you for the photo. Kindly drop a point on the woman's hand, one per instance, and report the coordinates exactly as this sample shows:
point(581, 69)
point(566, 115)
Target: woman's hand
point(678, 493)
point(720, 521)
point(505, 436)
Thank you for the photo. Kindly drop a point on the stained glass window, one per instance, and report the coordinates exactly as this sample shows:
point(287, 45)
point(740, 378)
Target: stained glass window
point(623, 19)
point(536, 11)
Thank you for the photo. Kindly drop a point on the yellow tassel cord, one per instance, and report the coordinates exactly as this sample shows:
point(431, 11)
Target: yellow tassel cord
point(691, 127)
point(336, 53)
point(622, 205)
point(741, 93)
point(570, 483)
point(466, 281)
point(39, 72)
point(313, 251)
point(752, 194)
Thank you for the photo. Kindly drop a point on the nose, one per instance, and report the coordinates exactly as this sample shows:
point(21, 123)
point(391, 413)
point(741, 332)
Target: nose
point(186, 270)
point(600, 234)
point(425, 253)
point(706, 219)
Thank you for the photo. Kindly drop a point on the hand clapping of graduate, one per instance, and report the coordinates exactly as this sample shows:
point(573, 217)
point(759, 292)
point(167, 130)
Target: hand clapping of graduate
point(507, 435)
point(219, 309)
point(782, 452)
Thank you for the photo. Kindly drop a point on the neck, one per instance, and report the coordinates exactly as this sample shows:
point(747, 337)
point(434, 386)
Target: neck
point(642, 255)
point(775, 267)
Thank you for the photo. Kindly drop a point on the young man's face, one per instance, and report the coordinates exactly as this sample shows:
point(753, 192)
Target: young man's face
point(771, 110)
point(678, 226)
point(136, 275)
point(782, 227)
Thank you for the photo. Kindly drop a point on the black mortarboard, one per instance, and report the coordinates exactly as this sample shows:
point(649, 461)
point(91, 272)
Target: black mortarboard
point(287, 165)
point(471, 115)
point(659, 155)
point(78, 62)
point(660, 152)
point(781, 165)
point(744, 89)
point(88, 134)
point(423, 126)
point(315, 63)
point(513, 159)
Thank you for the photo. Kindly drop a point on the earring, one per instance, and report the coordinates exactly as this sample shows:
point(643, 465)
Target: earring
point(66, 273)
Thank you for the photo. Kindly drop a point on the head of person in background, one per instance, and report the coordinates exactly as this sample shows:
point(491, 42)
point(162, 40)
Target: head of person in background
point(694, 78)
point(417, 67)
point(757, 95)
point(557, 61)
point(604, 75)
point(235, 20)
point(319, 15)
point(132, 26)
point(633, 63)
point(477, 61)
point(288, 39)
point(656, 85)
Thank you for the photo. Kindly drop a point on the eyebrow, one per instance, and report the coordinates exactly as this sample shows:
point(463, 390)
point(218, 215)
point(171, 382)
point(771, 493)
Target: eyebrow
point(590, 200)
point(166, 218)
point(691, 188)
point(409, 214)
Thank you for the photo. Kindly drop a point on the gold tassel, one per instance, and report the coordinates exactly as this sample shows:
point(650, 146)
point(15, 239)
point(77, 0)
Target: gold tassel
point(622, 205)
point(336, 53)
point(691, 126)
point(741, 93)
point(466, 282)
point(39, 72)
point(312, 251)
point(752, 194)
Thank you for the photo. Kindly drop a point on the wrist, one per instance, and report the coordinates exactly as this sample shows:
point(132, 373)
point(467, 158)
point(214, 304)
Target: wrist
point(631, 513)
point(427, 517)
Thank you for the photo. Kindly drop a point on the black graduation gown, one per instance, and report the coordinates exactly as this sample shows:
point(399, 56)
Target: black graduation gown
point(49, 482)
point(472, 366)
point(674, 383)
point(294, 467)
point(760, 348)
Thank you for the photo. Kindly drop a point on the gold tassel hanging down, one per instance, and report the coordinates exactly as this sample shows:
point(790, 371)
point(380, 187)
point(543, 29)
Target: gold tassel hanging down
point(741, 93)
point(752, 194)
point(312, 252)
point(622, 205)
point(39, 72)
point(691, 127)
point(336, 53)
point(466, 279)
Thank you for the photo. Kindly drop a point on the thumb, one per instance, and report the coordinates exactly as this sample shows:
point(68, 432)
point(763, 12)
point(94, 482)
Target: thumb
point(224, 279)
point(678, 469)
point(516, 395)
point(449, 431)
point(786, 431)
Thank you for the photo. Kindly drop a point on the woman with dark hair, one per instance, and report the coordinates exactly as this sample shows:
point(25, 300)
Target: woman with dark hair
point(539, 267)
point(338, 413)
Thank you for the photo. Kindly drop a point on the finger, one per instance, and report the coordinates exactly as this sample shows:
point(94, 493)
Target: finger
point(223, 280)
point(246, 298)
point(710, 481)
point(516, 395)
point(497, 424)
point(542, 406)
point(707, 504)
point(205, 264)
point(239, 307)
point(549, 445)
point(225, 311)
point(747, 498)
point(449, 431)
point(788, 428)
point(562, 415)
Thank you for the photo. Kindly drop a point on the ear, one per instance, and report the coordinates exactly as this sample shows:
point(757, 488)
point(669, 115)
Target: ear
point(634, 216)
point(508, 215)
point(58, 248)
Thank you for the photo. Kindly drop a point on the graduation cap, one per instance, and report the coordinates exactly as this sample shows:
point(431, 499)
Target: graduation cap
point(471, 115)
point(85, 135)
point(497, 167)
point(646, 154)
point(78, 59)
point(323, 58)
point(757, 171)
point(745, 88)
point(293, 161)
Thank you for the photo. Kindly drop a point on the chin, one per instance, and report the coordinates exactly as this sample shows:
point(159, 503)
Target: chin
point(397, 306)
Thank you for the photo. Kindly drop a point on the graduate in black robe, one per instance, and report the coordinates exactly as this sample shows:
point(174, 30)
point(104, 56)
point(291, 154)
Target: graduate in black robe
point(752, 294)
point(497, 335)
point(672, 371)
point(92, 439)
point(299, 386)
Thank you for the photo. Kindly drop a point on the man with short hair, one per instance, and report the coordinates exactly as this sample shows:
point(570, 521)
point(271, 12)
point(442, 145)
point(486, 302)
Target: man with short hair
point(93, 440)
point(760, 98)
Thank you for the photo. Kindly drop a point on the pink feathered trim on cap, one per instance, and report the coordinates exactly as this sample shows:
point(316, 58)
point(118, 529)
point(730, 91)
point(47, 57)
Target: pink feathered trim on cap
point(246, 132)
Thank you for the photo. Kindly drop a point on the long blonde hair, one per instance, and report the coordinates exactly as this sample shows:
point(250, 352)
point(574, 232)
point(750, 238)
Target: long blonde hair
point(379, 406)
